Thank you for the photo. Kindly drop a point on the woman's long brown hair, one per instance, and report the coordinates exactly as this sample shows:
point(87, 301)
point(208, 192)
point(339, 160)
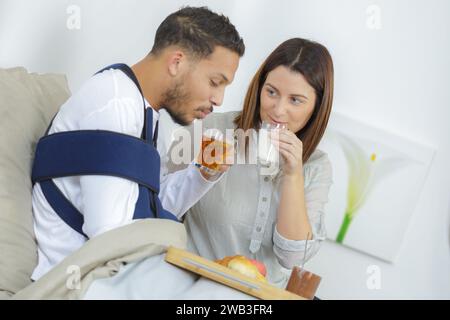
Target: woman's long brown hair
point(314, 62)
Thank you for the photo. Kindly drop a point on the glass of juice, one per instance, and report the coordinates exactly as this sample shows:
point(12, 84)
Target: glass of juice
point(214, 151)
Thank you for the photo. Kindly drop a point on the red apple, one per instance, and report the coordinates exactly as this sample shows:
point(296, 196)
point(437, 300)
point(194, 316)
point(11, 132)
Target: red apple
point(261, 267)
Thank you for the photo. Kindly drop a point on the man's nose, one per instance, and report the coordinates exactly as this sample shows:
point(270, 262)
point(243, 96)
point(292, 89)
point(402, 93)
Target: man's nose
point(217, 98)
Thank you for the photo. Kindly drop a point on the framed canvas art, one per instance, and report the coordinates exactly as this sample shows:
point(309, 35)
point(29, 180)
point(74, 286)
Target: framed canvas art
point(378, 177)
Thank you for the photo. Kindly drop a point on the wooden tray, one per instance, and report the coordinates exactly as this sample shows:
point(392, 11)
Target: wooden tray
point(226, 276)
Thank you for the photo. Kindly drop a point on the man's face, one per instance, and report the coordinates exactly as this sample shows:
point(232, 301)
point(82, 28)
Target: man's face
point(201, 86)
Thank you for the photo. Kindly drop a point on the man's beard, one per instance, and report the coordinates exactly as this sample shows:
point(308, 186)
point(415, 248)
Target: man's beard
point(174, 100)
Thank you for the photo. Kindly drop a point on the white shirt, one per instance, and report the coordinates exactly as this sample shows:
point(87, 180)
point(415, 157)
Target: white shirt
point(107, 101)
point(239, 214)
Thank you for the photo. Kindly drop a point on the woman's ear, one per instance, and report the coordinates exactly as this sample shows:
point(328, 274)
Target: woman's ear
point(175, 62)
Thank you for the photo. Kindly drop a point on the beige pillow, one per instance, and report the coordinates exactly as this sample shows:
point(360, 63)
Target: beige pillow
point(27, 104)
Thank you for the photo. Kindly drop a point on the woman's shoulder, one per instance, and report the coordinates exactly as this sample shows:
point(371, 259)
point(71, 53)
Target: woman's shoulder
point(319, 159)
point(221, 120)
point(318, 170)
point(318, 156)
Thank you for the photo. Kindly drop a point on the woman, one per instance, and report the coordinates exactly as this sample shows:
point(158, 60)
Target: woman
point(269, 218)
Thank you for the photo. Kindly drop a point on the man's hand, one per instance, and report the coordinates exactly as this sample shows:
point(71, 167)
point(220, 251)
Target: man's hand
point(212, 176)
point(220, 155)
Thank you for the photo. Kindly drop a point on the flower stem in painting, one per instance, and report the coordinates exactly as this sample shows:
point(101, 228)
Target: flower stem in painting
point(344, 227)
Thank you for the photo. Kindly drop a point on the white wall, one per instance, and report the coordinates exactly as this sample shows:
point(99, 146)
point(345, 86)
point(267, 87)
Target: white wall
point(396, 78)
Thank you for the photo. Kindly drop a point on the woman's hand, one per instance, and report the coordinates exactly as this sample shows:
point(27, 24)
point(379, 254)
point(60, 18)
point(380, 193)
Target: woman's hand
point(291, 148)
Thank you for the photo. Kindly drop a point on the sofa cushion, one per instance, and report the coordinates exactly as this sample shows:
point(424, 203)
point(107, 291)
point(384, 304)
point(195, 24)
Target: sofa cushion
point(28, 102)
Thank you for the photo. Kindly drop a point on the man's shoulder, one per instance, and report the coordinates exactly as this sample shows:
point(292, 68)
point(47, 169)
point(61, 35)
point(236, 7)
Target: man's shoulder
point(110, 84)
point(108, 100)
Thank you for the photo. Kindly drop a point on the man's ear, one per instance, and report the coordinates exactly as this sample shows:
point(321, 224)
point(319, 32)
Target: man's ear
point(176, 61)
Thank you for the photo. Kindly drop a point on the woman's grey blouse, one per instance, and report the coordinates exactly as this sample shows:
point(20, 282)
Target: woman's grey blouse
point(238, 215)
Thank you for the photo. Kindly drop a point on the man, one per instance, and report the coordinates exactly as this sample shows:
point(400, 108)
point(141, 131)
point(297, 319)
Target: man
point(91, 171)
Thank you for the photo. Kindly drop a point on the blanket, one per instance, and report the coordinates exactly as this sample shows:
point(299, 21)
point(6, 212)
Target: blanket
point(127, 263)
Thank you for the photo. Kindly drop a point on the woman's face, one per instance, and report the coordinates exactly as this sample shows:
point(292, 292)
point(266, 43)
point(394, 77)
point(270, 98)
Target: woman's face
point(286, 97)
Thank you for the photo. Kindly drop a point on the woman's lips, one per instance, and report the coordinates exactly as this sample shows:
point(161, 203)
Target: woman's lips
point(275, 121)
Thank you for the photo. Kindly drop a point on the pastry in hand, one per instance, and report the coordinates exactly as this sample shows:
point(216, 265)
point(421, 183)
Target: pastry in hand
point(248, 267)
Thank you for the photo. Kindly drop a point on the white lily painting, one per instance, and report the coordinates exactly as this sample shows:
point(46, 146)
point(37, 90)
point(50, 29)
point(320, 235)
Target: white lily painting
point(378, 177)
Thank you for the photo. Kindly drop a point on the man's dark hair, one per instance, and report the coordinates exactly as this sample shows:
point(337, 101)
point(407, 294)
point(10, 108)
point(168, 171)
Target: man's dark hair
point(198, 30)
